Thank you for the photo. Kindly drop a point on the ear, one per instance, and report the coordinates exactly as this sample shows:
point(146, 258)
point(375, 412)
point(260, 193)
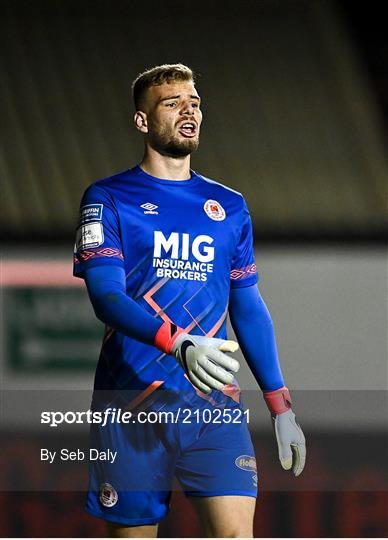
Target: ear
point(140, 120)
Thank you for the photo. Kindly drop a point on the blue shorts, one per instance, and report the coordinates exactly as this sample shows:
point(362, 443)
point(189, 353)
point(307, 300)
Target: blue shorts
point(207, 449)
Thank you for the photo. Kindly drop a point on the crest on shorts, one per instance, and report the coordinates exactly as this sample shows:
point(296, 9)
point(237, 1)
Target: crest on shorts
point(246, 463)
point(108, 495)
point(214, 210)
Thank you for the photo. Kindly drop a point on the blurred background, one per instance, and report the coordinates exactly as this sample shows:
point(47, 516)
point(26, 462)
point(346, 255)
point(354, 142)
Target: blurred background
point(295, 97)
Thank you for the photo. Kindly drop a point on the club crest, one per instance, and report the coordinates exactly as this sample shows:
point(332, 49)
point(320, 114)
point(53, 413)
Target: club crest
point(214, 210)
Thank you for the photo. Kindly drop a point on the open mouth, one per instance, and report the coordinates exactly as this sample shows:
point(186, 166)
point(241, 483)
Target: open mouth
point(188, 129)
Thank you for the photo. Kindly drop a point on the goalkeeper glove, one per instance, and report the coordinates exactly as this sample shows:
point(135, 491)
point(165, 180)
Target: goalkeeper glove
point(202, 358)
point(289, 436)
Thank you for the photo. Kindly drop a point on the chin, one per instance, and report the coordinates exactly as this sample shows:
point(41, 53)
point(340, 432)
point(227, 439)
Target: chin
point(179, 149)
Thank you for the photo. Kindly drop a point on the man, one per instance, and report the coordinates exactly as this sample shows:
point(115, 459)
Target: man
point(165, 254)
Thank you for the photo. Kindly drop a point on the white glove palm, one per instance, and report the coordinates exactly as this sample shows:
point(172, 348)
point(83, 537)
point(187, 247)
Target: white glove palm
point(291, 442)
point(204, 361)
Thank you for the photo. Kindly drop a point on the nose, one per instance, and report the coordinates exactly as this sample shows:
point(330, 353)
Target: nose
point(187, 108)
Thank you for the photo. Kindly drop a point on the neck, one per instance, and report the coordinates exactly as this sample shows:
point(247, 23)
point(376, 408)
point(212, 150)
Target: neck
point(167, 167)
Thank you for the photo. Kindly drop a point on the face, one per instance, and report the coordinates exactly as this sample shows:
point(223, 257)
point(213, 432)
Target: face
point(172, 118)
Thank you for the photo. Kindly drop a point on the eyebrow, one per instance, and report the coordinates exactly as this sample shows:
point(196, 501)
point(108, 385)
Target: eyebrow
point(178, 96)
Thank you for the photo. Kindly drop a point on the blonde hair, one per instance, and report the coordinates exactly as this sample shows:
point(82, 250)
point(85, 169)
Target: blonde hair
point(166, 73)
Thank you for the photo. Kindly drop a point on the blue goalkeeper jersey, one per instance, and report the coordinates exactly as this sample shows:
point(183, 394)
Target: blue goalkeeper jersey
point(183, 245)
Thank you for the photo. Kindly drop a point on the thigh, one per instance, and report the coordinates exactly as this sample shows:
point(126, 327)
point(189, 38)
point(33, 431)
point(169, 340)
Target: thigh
point(227, 516)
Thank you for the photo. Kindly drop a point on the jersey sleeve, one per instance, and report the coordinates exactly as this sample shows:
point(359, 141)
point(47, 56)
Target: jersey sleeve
point(98, 240)
point(243, 270)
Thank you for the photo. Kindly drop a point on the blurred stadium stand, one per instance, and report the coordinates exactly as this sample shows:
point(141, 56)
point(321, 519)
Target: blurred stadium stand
point(295, 101)
point(290, 119)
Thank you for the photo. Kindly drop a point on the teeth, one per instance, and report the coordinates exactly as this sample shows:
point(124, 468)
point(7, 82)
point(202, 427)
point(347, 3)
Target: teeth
point(188, 126)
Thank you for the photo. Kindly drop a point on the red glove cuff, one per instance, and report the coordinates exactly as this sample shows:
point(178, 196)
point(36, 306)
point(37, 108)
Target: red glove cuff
point(166, 336)
point(278, 401)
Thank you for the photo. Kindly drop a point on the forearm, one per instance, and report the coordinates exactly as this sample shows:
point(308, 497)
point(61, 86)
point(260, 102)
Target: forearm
point(106, 288)
point(255, 333)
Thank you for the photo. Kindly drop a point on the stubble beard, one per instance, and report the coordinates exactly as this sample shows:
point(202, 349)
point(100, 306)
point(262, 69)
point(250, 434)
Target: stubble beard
point(169, 145)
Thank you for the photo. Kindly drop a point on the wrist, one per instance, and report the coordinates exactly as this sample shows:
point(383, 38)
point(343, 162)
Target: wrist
point(278, 401)
point(166, 336)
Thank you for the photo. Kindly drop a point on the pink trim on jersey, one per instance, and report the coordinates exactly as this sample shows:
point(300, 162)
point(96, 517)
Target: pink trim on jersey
point(233, 391)
point(141, 397)
point(150, 301)
point(87, 254)
point(240, 273)
point(230, 390)
point(218, 324)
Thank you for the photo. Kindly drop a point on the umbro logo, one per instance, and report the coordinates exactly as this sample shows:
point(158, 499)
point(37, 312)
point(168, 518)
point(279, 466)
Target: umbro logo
point(149, 208)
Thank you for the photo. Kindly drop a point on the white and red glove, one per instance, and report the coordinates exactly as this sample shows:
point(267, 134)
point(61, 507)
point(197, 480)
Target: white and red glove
point(202, 358)
point(289, 436)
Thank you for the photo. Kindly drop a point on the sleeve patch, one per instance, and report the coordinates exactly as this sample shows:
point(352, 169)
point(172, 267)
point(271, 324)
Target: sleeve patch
point(90, 235)
point(241, 273)
point(91, 212)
